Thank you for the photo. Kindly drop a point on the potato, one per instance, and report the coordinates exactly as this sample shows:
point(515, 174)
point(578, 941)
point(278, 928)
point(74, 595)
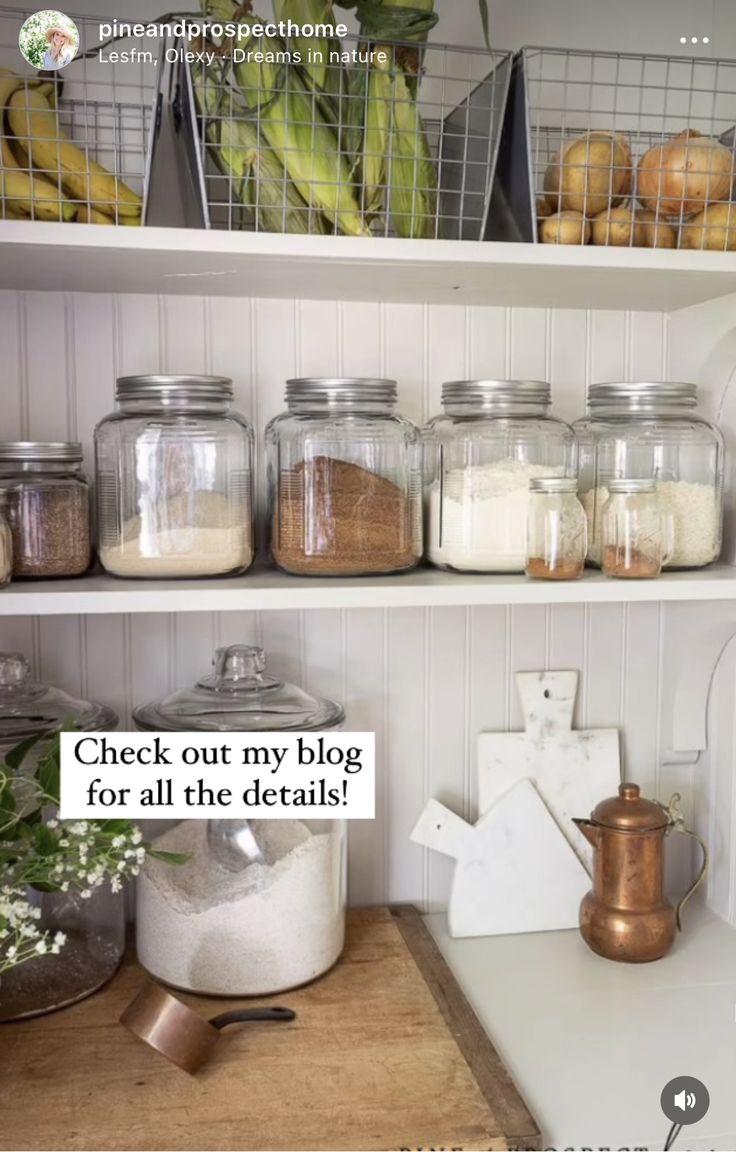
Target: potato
point(591, 174)
point(565, 228)
point(655, 233)
point(617, 227)
point(713, 230)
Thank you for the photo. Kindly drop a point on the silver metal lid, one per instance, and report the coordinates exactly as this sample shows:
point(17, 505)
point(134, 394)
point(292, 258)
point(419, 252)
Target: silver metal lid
point(342, 389)
point(504, 391)
point(642, 392)
point(172, 387)
point(40, 451)
point(624, 487)
point(552, 484)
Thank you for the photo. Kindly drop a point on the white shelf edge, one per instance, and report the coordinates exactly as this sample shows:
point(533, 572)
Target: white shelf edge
point(273, 591)
point(63, 257)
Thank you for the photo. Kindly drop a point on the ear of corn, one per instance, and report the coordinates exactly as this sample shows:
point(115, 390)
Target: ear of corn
point(291, 122)
point(314, 50)
point(412, 178)
point(376, 138)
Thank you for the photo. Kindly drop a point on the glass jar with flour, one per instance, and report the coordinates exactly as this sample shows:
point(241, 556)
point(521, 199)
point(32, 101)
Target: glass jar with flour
point(260, 905)
point(480, 455)
point(174, 477)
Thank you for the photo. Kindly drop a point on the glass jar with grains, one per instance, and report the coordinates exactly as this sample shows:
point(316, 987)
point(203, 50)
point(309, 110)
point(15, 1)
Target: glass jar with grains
point(48, 508)
point(493, 438)
point(6, 542)
point(344, 480)
point(556, 530)
point(174, 479)
point(648, 430)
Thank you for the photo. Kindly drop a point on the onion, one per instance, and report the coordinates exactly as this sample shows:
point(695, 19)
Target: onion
point(713, 230)
point(591, 174)
point(680, 177)
point(565, 228)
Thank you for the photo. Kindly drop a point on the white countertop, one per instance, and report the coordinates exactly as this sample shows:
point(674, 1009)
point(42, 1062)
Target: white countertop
point(592, 1043)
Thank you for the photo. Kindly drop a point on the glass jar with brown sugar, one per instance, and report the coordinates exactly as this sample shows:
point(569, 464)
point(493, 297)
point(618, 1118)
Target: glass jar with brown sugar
point(48, 508)
point(344, 480)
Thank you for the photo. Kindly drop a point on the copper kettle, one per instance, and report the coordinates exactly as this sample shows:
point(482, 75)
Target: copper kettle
point(626, 916)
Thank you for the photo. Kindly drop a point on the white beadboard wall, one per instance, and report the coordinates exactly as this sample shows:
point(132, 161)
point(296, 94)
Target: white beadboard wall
point(427, 681)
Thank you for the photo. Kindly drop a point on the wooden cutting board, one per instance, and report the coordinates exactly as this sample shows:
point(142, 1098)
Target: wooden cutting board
point(385, 1053)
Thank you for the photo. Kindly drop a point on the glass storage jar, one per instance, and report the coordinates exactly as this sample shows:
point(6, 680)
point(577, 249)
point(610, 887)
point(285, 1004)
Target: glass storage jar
point(556, 530)
point(344, 480)
point(480, 454)
point(6, 542)
point(648, 430)
point(174, 479)
point(48, 508)
point(260, 905)
point(94, 927)
point(636, 535)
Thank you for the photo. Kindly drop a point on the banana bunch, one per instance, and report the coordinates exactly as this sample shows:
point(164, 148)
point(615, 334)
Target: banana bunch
point(43, 175)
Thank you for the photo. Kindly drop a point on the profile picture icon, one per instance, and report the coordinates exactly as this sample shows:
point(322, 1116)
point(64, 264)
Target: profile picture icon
point(48, 40)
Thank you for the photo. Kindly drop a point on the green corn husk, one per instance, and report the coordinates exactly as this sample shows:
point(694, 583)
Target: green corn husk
point(376, 137)
point(259, 180)
point(291, 122)
point(412, 178)
point(311, 49)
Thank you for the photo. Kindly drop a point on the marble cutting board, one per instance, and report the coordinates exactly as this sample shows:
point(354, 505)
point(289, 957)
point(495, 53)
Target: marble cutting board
point(515, 872)
point(572, 770)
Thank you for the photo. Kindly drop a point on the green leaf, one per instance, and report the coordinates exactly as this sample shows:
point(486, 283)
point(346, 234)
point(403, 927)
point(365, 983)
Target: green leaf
point(485, 21)
point(115, 827)
point(15, 757)
point(45, 841)
point(49, 771)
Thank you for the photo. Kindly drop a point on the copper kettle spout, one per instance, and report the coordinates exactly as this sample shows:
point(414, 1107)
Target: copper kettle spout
point(590, 831)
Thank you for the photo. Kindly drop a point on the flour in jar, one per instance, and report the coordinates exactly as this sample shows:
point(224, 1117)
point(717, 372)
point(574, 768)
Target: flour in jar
point(272, 926)
point(478, 516)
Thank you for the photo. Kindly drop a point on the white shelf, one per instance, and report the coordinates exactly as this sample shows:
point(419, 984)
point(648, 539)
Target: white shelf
point(426, 587)
point(78, 258)
point(591, 1043)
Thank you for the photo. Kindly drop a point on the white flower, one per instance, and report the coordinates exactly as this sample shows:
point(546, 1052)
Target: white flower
point(85, 893)
point(12, 952)
point(41, 947)
point(60, 939)
point(52, 823)
point(118, 841)
point(137, 836)
point(63, 843)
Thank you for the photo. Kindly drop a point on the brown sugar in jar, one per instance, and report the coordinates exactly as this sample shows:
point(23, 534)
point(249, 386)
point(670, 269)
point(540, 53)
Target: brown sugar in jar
point(335, 518)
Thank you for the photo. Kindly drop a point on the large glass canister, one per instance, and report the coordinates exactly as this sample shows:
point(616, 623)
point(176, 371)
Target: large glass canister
point(94, 926)
point(48, 508)
point(344, 479)
point(174, 469)
point(647, 430)
point(493, 438)
point(260, 905)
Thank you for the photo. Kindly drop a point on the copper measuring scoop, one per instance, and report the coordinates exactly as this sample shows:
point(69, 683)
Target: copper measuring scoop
point(186, 1039)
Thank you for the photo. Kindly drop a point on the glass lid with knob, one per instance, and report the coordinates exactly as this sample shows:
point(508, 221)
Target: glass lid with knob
point(28, 707)
point(239, 696)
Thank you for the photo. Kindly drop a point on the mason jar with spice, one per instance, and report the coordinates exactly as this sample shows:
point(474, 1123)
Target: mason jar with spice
point(556, 530)
point(174, 479)
point(48, 508)
point(344, 480)
point(6, 542)
point(636, 531)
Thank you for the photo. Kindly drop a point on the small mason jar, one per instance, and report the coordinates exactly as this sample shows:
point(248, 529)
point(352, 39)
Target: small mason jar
point(174, 479)
point(6, 542)
point(48, 508)
point(653, 430)
point(493, 438)
point(259, 905)
point(344, 480)
point(556, 530)
point(636, 534)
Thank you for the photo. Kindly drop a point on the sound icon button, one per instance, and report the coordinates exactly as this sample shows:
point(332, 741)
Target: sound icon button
point(685, 1100)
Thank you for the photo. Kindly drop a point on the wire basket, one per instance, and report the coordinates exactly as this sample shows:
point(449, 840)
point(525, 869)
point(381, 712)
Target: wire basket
point(405, 147)
point(598, 135)
point(90, 113)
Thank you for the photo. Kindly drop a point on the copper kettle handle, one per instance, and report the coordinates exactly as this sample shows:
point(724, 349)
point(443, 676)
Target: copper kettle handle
point(677, 821)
